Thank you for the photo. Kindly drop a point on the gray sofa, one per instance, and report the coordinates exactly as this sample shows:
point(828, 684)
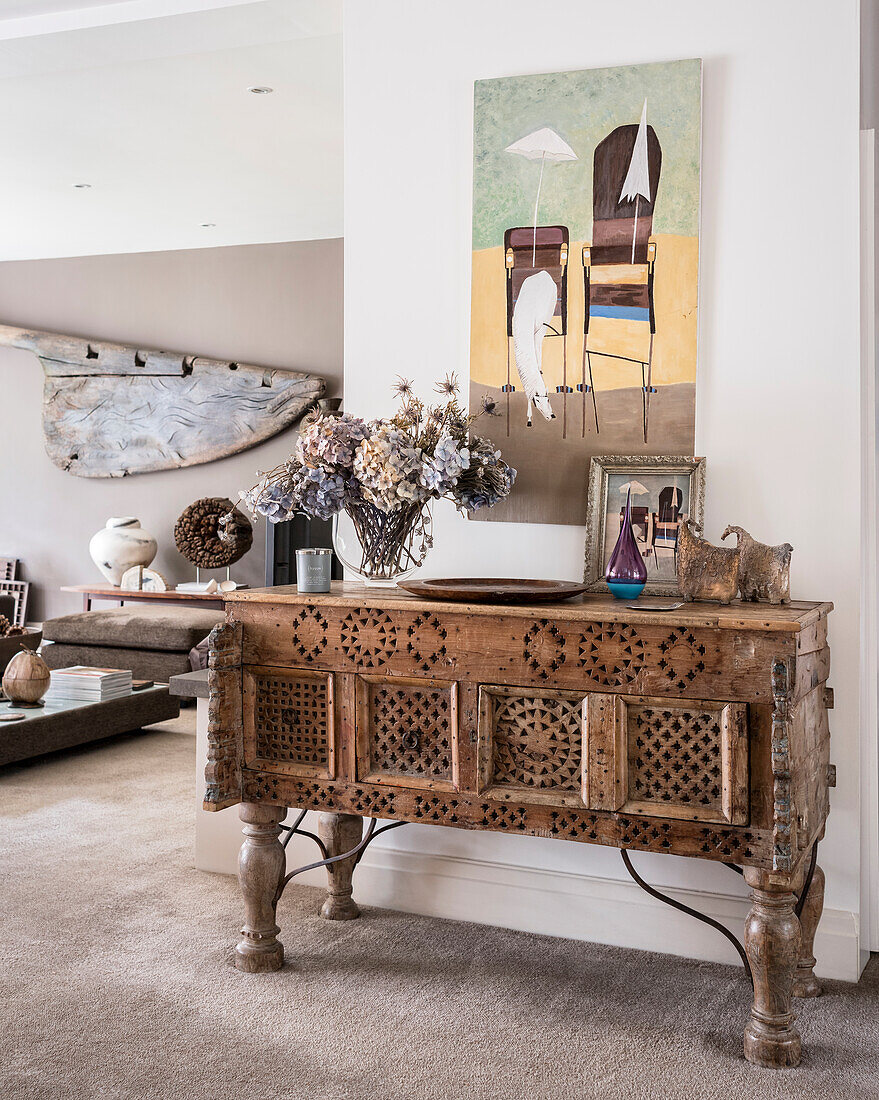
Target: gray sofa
point(154, 642)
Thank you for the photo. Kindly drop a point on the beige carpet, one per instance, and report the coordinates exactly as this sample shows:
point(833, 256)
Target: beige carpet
point(117, 981)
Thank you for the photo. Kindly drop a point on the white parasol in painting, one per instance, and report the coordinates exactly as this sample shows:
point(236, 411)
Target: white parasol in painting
point(543, 145)
point(637, 488)
point(637, 182)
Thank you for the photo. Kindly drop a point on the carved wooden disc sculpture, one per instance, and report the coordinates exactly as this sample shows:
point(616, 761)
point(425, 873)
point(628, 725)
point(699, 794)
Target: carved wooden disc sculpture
point(116, 409)
point(212, 533)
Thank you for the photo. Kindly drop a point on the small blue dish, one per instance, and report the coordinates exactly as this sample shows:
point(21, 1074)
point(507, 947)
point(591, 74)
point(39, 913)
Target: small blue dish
point(626, 590)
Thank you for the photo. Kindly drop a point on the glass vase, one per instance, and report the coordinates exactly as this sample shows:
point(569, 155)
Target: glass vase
point(382, 547)
point(626, 572)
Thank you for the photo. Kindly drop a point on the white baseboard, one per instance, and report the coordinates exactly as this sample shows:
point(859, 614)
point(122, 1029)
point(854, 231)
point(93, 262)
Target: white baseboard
point(575, 906)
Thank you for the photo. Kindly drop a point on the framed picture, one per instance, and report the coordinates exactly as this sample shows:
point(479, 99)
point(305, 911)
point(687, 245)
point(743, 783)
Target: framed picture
point(665, 490)
point(585, 261)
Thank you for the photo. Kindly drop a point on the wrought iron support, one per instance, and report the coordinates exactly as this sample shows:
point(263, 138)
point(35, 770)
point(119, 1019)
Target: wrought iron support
point(295, 830)
point(357, 851)
point(690, 912)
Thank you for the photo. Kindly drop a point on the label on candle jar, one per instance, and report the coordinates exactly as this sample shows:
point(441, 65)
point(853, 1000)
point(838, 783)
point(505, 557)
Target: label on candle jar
point(313, 571)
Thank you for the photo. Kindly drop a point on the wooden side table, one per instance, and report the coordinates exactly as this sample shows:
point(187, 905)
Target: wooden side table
point(90, 592)
point(698, 732)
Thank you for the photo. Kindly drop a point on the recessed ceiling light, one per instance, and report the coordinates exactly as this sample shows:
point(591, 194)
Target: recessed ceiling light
point(260, 89)
point(82, 186)
point(208, 225)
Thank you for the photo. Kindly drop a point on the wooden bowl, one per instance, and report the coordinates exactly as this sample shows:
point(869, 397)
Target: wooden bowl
point(493, 589)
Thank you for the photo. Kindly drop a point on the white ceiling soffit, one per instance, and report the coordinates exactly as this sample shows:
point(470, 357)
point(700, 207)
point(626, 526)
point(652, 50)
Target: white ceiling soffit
point(155, 115)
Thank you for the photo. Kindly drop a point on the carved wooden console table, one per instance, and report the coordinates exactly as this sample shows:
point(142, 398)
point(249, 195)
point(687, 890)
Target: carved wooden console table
point(700, 732)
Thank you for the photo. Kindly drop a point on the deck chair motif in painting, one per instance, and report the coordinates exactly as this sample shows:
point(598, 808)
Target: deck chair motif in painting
point(666, 523)
point(527, 251)
point(618, 264)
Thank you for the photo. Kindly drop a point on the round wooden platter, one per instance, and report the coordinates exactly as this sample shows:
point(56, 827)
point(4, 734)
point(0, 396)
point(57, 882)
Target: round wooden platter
point(493, 589)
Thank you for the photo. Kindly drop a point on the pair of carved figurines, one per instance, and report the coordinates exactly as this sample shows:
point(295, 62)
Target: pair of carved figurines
point(754, 570)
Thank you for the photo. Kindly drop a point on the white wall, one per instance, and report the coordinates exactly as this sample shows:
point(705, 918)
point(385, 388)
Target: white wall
point(777, 406)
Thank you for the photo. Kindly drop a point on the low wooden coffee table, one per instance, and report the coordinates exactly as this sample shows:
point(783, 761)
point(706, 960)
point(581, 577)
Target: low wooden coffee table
point(63, 723)
point(91, 592)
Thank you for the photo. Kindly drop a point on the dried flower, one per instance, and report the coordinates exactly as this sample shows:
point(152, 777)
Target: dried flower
point(319, 492)
point(486, 481)
point(488, 405)
point(449, 385)
point(402, 387)
point(330, 441)
point(387, 468)
point(442, 469)
point(424, 452)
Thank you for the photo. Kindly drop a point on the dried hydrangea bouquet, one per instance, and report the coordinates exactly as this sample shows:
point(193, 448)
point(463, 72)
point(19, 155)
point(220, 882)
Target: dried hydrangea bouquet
point(384, 474)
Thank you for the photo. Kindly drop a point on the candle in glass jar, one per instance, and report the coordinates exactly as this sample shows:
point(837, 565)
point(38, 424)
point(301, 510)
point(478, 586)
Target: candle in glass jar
point(313, 569)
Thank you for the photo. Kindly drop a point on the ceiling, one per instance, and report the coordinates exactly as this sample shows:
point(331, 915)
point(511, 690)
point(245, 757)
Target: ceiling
point(147, 101)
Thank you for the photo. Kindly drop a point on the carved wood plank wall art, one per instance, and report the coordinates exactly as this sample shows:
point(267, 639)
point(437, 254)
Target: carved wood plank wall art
point(115, 409)
point(702, 732)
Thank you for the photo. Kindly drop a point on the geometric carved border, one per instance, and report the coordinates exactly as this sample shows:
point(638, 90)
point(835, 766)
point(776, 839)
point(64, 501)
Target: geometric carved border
point(683, 658)
point(466, 810)
point(369, 637)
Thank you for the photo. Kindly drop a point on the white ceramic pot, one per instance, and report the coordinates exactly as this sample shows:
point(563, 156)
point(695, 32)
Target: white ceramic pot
point(119, 545)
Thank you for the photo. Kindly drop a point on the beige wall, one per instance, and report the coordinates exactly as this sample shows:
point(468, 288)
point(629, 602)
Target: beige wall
point(275, 305)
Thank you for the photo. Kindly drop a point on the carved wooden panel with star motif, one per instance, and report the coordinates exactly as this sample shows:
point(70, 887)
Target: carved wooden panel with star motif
point(531, 744)
point(586, 721)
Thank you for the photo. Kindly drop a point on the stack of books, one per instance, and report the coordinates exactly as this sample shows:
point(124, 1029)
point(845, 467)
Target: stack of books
point(89, 685)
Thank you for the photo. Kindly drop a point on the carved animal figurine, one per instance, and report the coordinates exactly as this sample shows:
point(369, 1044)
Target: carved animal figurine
point(706, 572)
point(534, 309)
point(764, 571)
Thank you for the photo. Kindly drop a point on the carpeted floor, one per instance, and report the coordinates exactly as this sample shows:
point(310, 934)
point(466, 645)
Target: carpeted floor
point(117, 979)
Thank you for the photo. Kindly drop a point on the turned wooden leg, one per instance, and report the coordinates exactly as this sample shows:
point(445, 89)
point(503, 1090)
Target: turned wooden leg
point(261, 863)
point(340, 833)
point(805, 982)
point(772, 941)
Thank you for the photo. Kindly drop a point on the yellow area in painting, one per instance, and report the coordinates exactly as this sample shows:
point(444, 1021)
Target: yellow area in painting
point(674, 346)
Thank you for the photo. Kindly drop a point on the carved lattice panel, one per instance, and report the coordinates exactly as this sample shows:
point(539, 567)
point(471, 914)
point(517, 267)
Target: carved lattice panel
point(531, 741)
point(406, 730)
point(289, 720)
point(686, 760)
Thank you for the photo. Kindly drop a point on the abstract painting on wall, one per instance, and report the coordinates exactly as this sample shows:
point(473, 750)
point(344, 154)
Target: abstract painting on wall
point(585, 274)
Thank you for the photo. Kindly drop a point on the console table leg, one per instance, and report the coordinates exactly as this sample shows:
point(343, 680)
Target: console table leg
point(261, 863)
point(340, 833)
point(805, 982)
point(772, 940)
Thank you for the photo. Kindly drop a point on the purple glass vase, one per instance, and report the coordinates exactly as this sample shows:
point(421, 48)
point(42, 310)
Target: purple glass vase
point(626, 572)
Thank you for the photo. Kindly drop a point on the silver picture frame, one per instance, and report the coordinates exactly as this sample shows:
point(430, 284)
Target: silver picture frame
point(635, 466)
